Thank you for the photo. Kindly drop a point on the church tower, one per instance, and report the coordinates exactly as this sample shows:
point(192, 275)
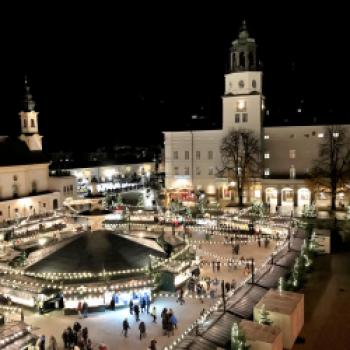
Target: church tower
point(29, 121)
point(243, 101)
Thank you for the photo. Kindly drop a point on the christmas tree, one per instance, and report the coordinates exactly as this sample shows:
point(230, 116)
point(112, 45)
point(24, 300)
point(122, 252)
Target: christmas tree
point(238, 340)
point(264, 316)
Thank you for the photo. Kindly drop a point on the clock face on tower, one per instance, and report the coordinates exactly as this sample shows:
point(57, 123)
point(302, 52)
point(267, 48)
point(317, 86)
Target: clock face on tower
point(241, 84)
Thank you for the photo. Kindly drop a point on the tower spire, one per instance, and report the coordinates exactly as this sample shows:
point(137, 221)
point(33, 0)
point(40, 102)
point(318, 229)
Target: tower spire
point(28, 104)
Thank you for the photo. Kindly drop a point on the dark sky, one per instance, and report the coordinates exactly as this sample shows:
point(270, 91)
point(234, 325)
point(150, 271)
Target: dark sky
point(117, 74)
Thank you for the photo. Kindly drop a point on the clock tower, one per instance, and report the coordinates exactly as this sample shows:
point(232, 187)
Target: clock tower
point(243, 101)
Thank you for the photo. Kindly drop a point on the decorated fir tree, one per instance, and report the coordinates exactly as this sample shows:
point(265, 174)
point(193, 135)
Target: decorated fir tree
point(264, 316)
point(238, 340)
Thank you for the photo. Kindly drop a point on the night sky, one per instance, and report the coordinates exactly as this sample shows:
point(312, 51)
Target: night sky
point(104, 75)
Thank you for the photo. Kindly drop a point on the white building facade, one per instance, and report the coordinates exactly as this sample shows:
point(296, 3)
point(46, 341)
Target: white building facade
point(25, 185)
point(192, 158)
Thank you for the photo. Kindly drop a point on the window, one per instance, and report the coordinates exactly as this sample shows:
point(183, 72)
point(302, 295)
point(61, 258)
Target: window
point(267, 137)
point(245, 117)
point(211, 171)
point(34, 187)
point(336, 134)
point(237, 117)
point(267, 155)
point(15, 178)
point(241, 84)
point(198, 155)
point(0, 213)
point(291, 136)
point(241, 106)
point(176, 155)
point(187, 170)
point(266, 171)
point(254, 84)
point(44, 205)
point(210, 155)
point(25, 123)
point(187, 155)
point(71, 188)
point(32, 123)
point(198, 171)
point(15, 191)
point(292, 154)
point(176, 170)
point(320, 135)
point(313, 133)
point(292, 172)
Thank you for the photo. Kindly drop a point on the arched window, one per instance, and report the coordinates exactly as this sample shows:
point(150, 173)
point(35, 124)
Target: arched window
point(15, 190)
point(242, 60)
point(251, 60)
point(254, 84)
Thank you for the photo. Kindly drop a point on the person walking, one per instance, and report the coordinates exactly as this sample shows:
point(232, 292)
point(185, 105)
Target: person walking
point(41, 343)
point(65, 338)
point(53, 343)
point(153, 345)
point(142, 329)
point(85, 309)
point(154, 314)
point(173, 322)
point(79, 308)
point(131, 307)
point(126, 326)
point(148, 303)
point(137, 312)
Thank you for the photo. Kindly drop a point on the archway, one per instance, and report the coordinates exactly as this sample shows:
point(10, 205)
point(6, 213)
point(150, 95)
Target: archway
point(271, 198)
point(304, 197)
point(287, 201)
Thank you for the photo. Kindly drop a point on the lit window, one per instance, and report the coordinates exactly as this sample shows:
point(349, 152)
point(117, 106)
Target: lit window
point(176, 155)
point(267, 155)
point(187, 170)
point(211, 171)
point(198, 171)
point(266, 137)
point(245, 117)
point(266, 171)
point(292, 172)
point(187, 155)
point(292, 154)
point(210, 155)
point(320, 135)
point(198, 155)
point(241, 106)
point(237, 118)
point(336, 134)
point(176, 170)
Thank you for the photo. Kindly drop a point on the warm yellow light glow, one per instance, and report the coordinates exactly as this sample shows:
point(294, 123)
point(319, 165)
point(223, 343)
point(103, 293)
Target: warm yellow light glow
point(42, 241)
point(257, 194)
point(109, 173)
point(241, 105)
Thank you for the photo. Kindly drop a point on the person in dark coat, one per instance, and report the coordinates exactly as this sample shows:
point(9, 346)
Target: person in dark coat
point(148, 303)
point(85, 334)
point(131, 307)
point(126, 326)
point(85, 309)
point(143, 304)
point(65, 339)
point(42, 343)
point(153, 345)
point(70, 337)
point(142, 329)
point(137, 312)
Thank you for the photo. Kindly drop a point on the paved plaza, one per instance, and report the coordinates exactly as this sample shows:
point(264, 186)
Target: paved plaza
point(106, 326)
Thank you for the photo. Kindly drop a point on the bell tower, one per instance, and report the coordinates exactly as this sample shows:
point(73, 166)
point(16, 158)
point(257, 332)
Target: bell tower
point(29, 121)
point(243, 102)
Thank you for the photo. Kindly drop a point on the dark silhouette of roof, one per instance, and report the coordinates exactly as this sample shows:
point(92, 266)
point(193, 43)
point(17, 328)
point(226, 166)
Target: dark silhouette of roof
point(16, 152)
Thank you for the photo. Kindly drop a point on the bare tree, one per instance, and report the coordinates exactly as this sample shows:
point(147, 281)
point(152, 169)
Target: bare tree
point(240, 158)
point(332, 168)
